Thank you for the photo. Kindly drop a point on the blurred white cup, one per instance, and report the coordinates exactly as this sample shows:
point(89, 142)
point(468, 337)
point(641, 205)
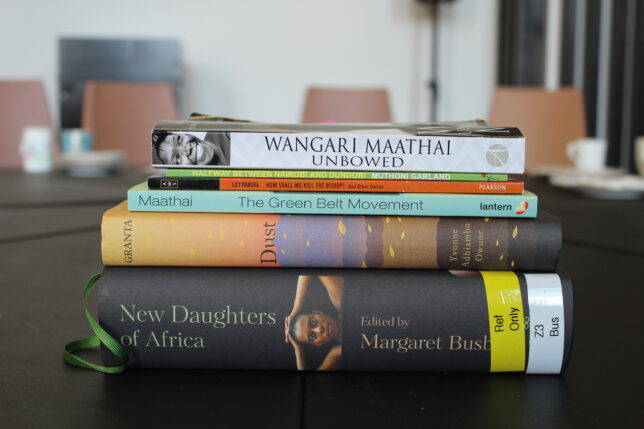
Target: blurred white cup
point(36, 149)
point(588, 154)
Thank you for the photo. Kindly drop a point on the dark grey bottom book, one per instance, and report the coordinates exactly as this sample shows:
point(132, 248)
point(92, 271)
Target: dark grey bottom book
point(350, 319)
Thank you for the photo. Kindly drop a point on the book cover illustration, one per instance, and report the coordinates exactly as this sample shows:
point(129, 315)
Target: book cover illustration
point(274, 240)
point(412, 320)
point(338, 147)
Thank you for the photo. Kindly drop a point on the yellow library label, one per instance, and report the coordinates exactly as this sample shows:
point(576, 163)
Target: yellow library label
point(507, 321)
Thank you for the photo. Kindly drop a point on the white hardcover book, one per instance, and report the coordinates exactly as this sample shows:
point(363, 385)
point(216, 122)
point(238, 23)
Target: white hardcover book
point(469, 147)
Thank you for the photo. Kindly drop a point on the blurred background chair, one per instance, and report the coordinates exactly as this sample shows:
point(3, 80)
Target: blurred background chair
point(548, 119)
point(121, 116)
point(346, 105)
point(22, 103)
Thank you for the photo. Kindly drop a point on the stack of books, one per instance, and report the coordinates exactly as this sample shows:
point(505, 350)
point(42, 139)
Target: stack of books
point(334, 247)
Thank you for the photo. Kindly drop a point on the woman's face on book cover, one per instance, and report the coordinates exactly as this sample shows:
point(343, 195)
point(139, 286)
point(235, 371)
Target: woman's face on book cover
point(185, 149)
point(316, 328)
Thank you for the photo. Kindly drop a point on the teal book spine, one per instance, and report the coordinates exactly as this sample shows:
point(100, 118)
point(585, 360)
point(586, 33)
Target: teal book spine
point(140, 198)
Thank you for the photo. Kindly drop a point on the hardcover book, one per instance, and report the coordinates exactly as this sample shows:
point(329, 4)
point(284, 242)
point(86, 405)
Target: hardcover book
point(355, 320)
point(333, 185)
point(141, 198)
point(274, 240)
point(327, 174)
point(456, 147)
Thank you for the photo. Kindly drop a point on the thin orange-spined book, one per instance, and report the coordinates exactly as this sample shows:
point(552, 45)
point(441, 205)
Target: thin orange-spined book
point(333, 185)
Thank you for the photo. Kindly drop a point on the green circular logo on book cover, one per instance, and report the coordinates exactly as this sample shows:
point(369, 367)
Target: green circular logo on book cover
point(497, 155)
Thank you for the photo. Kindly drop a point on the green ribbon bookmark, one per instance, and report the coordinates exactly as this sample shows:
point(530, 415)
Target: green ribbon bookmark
point(101, 337)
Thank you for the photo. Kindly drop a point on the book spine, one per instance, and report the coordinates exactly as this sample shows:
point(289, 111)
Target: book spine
point(324, 174)
point(140, 198)
point(273, 240)
point(337, 151)
point(333, 185)
point(353, 320)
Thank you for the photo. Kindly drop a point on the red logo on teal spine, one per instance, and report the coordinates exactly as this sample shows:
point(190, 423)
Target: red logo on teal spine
point(521, 208)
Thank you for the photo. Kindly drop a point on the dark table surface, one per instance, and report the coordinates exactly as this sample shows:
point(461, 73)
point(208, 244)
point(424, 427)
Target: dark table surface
point(50, 244)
